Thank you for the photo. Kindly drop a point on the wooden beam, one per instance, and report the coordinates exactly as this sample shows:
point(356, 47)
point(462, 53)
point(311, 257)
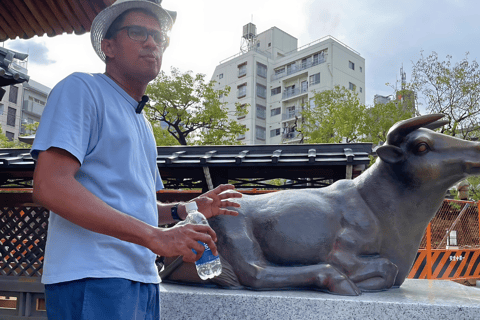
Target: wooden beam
point(80, 14)
point(59, 16)
point(89, 11)
point(9, 31)
point(20, 19)
point(18, 31)
point(45, 16)
point(3, 34)
point(29, 18)
point(72, 18)
point(41, 20)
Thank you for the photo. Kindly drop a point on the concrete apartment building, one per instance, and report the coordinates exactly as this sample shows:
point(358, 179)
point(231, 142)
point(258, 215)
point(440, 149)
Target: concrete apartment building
point(276, 79)
point(34, 99)
point(22, 103)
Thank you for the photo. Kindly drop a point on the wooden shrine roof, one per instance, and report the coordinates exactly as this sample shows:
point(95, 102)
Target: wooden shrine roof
point(26, 18)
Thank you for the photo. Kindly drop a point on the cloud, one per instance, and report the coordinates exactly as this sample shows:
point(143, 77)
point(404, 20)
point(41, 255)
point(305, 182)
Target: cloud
point(37, 51)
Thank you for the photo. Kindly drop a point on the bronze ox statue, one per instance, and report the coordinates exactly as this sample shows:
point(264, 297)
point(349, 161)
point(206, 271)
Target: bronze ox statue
point(352, 236)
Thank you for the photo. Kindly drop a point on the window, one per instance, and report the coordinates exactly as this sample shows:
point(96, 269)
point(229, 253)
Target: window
point(275, 111)
point(269, 44)
point(261, 70)
point(11, 117)
point(276, 90)
point(242, 70)
point(261, 112)
point(220, 96)
point(304, 86)
point(258, 44)
point(361, 90)
point(12, 97)
point(280, 71)
point(351, 65)
point(314, 79)
point(1, 109)
point(261, 91)
point(242, 90)
point(318, 58)
point(290, 112)
point(361, 70)
point(10, 135)
point(351, 86)
point(220, 76)
point(260, 133)
point(274, 132)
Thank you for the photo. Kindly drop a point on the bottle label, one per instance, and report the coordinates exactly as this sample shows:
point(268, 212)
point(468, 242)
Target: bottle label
point(207, 255)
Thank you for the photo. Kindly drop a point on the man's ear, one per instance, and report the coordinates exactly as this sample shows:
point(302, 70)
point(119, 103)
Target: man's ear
point(108, 48)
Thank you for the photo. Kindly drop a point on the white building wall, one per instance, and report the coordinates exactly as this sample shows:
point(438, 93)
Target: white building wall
point(276, 49)
point(11, 128)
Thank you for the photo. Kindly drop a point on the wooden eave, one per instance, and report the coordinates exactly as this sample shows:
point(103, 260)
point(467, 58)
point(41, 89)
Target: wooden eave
point(25, 19)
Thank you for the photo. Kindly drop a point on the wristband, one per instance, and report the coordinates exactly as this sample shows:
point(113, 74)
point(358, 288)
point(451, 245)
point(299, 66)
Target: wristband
point(175, 215)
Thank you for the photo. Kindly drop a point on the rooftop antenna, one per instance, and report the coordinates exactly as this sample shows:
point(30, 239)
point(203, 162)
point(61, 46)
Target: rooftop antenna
point(404, 77)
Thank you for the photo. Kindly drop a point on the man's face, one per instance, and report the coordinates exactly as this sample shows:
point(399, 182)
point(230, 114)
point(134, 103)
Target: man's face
point(136, 60)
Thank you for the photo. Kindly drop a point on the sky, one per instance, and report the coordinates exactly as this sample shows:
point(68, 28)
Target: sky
point(387, 34)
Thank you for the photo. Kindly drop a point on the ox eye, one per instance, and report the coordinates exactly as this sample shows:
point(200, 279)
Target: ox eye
point(422, 147)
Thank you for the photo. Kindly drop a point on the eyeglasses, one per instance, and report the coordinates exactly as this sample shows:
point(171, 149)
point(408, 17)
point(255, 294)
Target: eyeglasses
point(138, 33)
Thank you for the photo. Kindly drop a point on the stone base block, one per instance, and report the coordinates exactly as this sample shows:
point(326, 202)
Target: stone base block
point(415, 299)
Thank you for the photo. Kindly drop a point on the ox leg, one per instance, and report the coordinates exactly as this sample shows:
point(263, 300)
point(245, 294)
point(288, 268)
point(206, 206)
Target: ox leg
point(356, 257)
point(254, 271)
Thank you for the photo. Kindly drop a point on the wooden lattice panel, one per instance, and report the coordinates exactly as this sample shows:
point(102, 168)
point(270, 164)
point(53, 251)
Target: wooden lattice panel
point(23, 234)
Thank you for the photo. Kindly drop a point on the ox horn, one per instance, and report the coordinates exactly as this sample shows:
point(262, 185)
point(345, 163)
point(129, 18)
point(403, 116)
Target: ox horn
point(436, 124)
point(400, 129)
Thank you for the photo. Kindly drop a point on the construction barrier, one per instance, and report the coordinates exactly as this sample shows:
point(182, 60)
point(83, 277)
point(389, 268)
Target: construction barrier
point(450, 248)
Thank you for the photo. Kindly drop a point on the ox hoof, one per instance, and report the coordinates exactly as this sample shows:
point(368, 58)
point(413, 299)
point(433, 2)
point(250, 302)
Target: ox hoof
point(345, 287)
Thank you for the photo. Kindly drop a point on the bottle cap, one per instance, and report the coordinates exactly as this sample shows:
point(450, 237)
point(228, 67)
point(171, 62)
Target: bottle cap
point(191, 206)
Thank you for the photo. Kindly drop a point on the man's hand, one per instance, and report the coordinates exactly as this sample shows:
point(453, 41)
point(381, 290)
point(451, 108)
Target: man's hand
point(180, 240)
point(214, 202)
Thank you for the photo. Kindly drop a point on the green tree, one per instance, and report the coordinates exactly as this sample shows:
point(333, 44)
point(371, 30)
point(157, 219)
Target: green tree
point(193, 110)
point(452, 89)
point(30, 128)
point(335, 115)
point(380, 118)
point(15, 144)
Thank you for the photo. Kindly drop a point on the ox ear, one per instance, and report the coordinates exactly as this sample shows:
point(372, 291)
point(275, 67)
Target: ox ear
point(390, 154)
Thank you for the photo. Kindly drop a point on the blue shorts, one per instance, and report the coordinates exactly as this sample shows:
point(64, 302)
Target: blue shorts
point(111, 298)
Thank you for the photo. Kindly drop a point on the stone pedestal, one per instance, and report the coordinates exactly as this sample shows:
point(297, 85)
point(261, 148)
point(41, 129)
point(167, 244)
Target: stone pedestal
point(415, 299)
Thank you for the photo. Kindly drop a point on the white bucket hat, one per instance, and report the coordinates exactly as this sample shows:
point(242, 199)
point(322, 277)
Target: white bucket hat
point(104, 19)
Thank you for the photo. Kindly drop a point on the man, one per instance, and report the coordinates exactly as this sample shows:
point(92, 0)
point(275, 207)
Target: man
point(97, 173)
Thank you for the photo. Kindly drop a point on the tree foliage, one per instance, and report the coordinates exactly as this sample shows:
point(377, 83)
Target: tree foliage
point(192, 110)
point(380, 118)
point(334, 116)
point(452, 89)
point(15, 144)
point(337, 115)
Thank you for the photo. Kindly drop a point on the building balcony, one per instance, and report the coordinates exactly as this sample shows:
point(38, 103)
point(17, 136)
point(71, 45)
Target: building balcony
point(290, 115)
point(290, 93)
point(297, 67)
point(294, 135)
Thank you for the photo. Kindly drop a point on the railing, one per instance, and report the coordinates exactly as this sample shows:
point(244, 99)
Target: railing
point(290, 135)
point(290, 115)
point(297, 67)
point(293, 92)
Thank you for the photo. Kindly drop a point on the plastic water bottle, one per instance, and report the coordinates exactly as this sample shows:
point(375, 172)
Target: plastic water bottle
point(209, 265)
